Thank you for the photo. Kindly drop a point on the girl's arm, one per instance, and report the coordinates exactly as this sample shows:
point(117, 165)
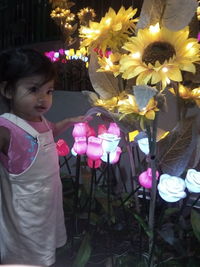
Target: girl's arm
point(61, 126)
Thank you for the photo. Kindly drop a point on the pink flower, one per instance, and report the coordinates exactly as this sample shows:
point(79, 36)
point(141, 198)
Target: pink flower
point(80, 145)
point(114, 129)
point(94, 148)
point(90, 131)
point(102, 129)
point(62, 147)
point(79, 130)
point(94, 163)
point(145, 178)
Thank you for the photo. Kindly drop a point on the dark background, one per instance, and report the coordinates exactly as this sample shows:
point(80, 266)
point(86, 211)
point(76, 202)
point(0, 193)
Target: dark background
point(25, 22)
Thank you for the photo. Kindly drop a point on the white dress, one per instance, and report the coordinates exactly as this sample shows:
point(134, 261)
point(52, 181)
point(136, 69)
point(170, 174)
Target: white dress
point(31, 211)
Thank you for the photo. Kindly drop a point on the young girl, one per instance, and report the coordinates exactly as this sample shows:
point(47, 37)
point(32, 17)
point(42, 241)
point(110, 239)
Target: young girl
point(32, 221)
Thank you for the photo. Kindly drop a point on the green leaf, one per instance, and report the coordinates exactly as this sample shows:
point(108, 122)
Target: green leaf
point(178, 14)
point(195, 221)
point(174, 151)
point(143, 94)
point(83, 253)
point(104, 83)
point(143, 224)
point(167, 233)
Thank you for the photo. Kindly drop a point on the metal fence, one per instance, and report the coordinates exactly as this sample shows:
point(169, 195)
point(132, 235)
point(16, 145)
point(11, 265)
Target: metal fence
point(25, 21)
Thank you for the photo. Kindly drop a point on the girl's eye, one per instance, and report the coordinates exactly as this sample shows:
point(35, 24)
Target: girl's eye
point(33, 89)
point(50, 91)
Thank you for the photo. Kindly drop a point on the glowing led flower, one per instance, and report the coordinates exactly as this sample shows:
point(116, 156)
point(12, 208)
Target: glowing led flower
point(111, 32)
point(113, 156)
point(86, 14)
point(62, 15)
point(110, 63)
point(109, 142)
point(62, 147)
point(129, 106)
point(126, 104)
point(188, 94)
point(192, 181)
point(145, 178)
point(171, 188)
point(159, 55)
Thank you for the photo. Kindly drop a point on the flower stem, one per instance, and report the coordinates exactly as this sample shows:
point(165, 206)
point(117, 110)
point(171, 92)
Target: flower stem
point(153, 190)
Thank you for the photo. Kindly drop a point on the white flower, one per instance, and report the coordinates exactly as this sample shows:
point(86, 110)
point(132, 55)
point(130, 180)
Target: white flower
point(171, 188)
point(192, 181)
point(109, 142)
point(143, 144)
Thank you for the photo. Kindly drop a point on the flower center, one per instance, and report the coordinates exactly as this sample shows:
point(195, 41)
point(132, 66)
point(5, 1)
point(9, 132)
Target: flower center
point(160, 51)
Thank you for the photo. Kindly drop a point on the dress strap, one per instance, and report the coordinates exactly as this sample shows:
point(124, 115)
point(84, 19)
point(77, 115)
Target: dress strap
point(20, 123)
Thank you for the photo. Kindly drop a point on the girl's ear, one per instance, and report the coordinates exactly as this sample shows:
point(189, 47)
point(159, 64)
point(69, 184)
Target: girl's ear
point(4, 93)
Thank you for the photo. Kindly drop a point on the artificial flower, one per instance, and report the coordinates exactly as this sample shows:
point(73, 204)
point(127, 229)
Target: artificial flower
point(143, 144)
point(85, 15)
point(188, 94)
point(111, 32)
point(159, 55)
point(62, 147)
point(113, 156)
point(60, 13)
point(192, 181)
point(114, 129)
point(109, 142)
point(145, 178)
point(94, 163)
point(171, 188)
point(110, 63)
point(80, 145)
point(129, 106)
point(94, 148)
point(80, 129)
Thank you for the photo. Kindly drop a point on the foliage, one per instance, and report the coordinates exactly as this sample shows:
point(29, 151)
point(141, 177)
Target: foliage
point(157, 223)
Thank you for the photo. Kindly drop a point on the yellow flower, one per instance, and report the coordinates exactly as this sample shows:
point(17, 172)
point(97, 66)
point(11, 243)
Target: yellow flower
point(189, 94)
point(159, 55)
point(126, 104)
point(129, 106)
point(111, 32)
point(109, 104)
point(110, 63)
point(86, 14)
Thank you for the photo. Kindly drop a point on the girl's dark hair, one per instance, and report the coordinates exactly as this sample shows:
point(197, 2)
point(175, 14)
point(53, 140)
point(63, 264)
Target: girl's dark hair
point(19, 63)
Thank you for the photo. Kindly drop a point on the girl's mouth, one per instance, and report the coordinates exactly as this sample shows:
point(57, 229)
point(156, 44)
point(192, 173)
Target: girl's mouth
point(40, 108)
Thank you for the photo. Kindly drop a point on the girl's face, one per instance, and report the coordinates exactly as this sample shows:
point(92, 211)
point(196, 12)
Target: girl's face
point(32, 98)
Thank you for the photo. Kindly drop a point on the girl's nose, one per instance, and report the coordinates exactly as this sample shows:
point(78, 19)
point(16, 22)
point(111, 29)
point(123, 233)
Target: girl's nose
point(42, 97)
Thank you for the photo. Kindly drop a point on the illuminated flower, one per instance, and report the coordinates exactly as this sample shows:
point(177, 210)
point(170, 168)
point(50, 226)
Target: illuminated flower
point(109, 104)
point(110, 63)
point(143, 144)
point(188, 94)
point(111, 32)
point(114, 129)
point(126, 104)
point(80, 145)
point(145, 178)
point(80, 129)
point(62, 147)
point(85, 15)
point(94, 148)
point(113, 156)
point(94, 163)
point(62, 15)
point(109, 142)
point(159, 55)
point(171, 188)
point(192, 181)
point(129, 106)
